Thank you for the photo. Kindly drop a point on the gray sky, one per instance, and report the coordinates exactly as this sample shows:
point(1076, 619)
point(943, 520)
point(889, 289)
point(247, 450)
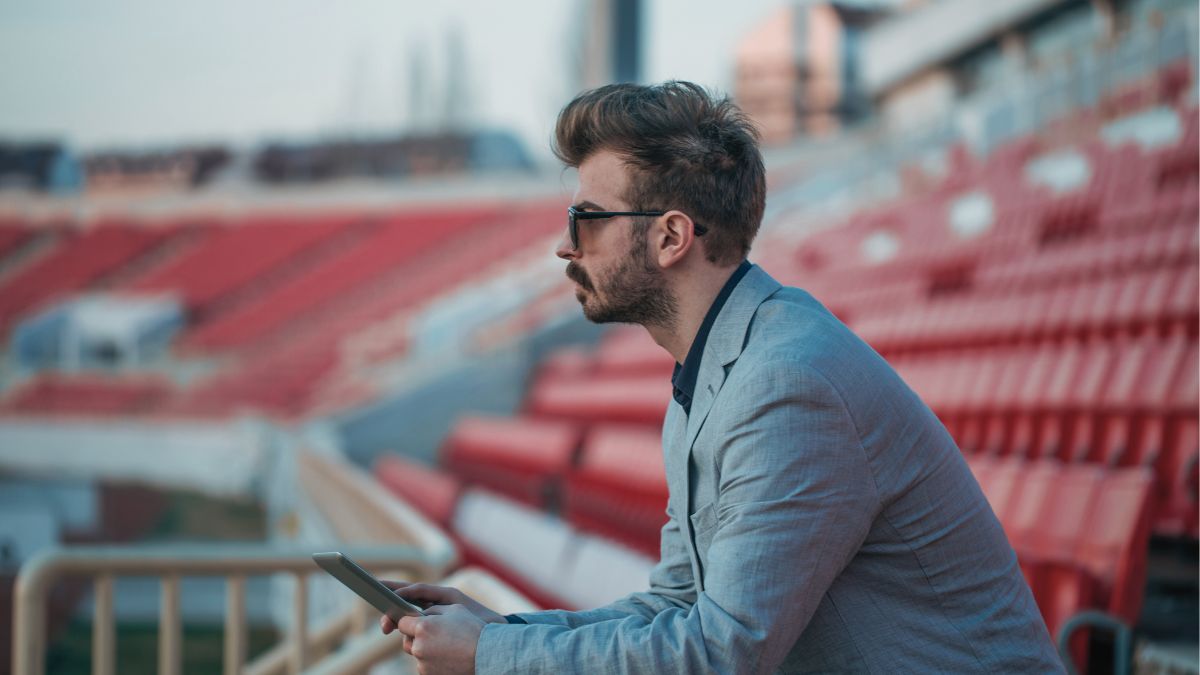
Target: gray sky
point(147, 73)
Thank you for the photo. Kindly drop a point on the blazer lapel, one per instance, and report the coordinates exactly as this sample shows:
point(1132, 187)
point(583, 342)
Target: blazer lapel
point(725, 343)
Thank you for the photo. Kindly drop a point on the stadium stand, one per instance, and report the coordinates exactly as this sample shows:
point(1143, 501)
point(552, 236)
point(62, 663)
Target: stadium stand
point(243, 252)
point(1043, 300)
point(12, 235)
point(84, 395)
point(400, 239)
point(79, 259)
point(637, 399)
point(272, 298)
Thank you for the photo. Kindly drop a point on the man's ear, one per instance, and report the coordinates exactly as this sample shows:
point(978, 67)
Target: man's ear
point(672, 236)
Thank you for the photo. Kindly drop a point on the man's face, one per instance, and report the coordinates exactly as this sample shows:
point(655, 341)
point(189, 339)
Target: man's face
point(617, 278)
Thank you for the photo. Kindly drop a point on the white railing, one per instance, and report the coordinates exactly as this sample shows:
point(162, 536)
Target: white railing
point(383, 533)
point(235, 563)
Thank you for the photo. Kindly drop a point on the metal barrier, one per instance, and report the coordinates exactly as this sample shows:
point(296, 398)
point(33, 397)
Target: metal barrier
point(1122, 644)
point(378, 530)
point(170, 564)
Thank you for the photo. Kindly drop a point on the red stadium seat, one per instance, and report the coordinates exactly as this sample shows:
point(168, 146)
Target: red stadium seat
point(1177, 501)
point(432, 492)
point(1025, 508)
point(619, 487)
point(1115, 537)
point(522, 458)
point(633, 400)
point(631, 351)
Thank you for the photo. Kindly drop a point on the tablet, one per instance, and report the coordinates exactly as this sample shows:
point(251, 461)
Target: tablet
point(366, 586)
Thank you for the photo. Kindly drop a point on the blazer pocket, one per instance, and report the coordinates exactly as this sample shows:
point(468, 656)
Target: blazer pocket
point(704, 524)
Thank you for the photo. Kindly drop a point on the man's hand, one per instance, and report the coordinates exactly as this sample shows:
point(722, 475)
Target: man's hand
point(426, 595)
point(443, 641)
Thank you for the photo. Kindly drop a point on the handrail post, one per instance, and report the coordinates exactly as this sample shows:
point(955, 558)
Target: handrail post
point(235, 624)
point(300, 625)
point(29, 625)
point(1122, 646)
point(170, 628)
point(104, 652)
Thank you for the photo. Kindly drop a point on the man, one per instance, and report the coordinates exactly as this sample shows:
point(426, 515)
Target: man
point(820, 517)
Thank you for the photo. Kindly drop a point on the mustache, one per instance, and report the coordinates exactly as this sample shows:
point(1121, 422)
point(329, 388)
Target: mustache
point(575, 273)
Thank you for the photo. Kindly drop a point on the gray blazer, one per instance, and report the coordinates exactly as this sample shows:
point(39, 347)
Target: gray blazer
point(821, 520)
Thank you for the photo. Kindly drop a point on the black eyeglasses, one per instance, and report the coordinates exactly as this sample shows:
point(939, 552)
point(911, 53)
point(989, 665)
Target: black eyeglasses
point(574, 215)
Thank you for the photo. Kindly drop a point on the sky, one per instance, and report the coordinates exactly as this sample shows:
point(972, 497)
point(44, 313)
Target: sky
point(147, 73)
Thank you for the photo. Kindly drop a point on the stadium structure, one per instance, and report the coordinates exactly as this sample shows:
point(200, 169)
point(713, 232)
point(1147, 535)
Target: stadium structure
point(1010, 215)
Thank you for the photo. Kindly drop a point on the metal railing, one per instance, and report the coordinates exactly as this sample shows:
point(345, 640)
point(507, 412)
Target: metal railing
point(381, 532)
point(233, 562)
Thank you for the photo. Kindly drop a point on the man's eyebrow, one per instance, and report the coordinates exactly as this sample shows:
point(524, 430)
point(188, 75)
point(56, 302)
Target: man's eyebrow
point(585, 205)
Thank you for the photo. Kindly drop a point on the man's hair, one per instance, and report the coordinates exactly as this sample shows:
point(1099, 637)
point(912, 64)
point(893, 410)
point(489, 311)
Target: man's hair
point(686, 150)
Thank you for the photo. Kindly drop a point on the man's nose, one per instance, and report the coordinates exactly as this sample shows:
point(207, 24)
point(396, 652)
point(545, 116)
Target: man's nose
point(564, 249)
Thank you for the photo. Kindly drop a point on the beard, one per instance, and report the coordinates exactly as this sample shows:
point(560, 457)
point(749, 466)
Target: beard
point(634, 292)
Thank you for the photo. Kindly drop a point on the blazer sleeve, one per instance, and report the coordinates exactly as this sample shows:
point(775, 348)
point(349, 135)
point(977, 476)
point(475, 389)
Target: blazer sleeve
point(797, 499)
point(671, 585)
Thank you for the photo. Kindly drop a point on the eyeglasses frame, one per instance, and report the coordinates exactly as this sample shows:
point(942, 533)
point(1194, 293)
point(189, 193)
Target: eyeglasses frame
point(574, 215)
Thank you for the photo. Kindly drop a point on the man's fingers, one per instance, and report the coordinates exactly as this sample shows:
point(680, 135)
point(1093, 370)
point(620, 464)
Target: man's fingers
point(386, 624)
point(408, 625)
point(408, 644)
point(438, 609)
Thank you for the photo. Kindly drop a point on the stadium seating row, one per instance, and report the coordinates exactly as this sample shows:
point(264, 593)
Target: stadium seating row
point(546, 559)
point(1081, 532)
point(399, 240)
point(1144, 374)
point(86, 395)
point(1141, 191)
point(286, 371)
point(228, 257)
point(618, 489)
point(633, 399)
point(79, 259)
point(12, 235)
point(992, 271)
point(1156, 298)
point(521, 458)
point(273, 296)
point(609, 481)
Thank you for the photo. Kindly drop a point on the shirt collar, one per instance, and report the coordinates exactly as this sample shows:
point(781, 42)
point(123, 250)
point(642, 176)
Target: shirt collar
point(683, 379)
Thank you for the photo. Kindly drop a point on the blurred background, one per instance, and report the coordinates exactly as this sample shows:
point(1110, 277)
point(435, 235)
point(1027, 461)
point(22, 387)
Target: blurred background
point(278, 277)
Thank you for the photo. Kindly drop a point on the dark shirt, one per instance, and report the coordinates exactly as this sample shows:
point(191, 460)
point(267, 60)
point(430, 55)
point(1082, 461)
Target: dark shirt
point(684, 377)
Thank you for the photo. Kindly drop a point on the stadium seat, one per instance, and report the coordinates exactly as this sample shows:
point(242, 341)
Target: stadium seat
point(628, 399)
point(522, 458)
point(432, 492)
point(631, 352)
point(619, 489)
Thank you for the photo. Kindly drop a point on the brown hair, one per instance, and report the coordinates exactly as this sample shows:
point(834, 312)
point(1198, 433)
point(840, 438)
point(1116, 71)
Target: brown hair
point(686, 149)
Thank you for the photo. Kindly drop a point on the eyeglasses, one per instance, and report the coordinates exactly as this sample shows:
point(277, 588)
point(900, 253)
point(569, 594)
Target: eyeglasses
point(574, 215)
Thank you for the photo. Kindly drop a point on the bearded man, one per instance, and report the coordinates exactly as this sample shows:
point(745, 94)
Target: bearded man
point(821, 519)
